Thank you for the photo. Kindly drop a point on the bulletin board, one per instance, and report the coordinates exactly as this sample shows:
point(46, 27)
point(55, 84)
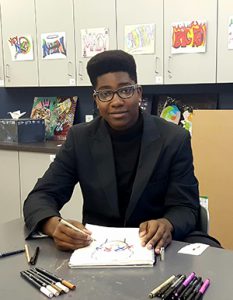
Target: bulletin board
point(212, 143)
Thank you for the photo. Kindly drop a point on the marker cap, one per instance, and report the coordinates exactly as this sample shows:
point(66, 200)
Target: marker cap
point(46, 292)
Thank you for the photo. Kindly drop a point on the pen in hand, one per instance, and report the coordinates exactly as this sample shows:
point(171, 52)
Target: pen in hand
point(74, 227)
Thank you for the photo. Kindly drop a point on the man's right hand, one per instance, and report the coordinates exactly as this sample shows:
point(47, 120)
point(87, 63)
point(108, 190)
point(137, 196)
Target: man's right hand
point(66, 238)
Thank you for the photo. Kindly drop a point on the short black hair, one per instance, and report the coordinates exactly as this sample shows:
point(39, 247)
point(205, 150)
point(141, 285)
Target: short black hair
point(111, 61)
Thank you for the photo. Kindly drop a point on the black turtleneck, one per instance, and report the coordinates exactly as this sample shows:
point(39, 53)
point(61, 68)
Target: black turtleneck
point(126, 148)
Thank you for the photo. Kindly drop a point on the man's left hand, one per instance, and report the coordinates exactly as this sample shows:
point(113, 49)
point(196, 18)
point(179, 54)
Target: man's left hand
point(156, 234)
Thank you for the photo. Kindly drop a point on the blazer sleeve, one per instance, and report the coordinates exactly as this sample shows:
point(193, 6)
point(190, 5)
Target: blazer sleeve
point(182, 196)
point(54, 189)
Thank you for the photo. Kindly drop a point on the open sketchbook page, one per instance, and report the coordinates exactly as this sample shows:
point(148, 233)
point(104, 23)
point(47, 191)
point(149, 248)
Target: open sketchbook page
point(112, 247)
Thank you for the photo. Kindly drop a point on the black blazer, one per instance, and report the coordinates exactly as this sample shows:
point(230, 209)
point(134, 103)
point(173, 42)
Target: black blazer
point(164, 186)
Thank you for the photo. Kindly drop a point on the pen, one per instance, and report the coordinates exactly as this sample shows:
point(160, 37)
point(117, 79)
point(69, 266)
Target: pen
point(173, 287)
point(186, 282)
point(155, 292)
point(27, 253)
point(191, 287)
point(203, 289)
point(35, 256)
point(54, 277)
point(74, 227)
point(195, 291)
point(37, 285)
point(5, 254)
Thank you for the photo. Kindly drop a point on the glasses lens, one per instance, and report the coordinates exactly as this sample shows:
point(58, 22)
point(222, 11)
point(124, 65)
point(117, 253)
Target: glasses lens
point(126, 91)
point(105, 95)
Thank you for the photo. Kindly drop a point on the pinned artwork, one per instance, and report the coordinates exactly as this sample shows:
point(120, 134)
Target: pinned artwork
point(21, 47)
point(189, 37)
point(94, 41)
point(230, 33)
point(140, 39)
point(53, 45)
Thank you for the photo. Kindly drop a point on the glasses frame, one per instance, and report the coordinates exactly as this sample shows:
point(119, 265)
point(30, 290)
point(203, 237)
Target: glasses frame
point(133, 86)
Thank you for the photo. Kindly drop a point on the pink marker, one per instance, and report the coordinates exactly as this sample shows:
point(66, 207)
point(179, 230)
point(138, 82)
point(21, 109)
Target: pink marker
point(203, 289)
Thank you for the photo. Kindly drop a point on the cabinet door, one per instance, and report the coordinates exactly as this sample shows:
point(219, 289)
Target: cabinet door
point(9, 186)
point(55, 39)
point(142, 15)
point(190, 67)
point(32, 166)
point(91, 15)
point(1, 57)
point(225, 41)
point(19, 27)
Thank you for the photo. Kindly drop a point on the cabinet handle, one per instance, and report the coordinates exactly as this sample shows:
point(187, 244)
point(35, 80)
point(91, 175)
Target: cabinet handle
point(169, 67)
point(7, 71)
point(156, 65)
point(69, 69)
point(80, 69)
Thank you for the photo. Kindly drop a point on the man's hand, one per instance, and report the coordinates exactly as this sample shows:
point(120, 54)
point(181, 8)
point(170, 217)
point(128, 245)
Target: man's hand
point(156, 234)
point(66, 238)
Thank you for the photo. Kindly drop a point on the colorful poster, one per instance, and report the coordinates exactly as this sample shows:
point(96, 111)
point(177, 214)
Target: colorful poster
point(53, 45)
point(58, 113)
point(21, 47)
point(140, 39)
point(189, 37)
point(94, 40)
point(230, 33)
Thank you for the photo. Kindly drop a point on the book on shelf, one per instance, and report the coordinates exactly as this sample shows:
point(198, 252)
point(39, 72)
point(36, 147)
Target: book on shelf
point(113, 247)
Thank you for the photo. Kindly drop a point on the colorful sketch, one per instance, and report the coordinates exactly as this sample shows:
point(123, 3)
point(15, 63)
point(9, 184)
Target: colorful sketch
point(187, 121)
point(140, 39)
point(189, 37)
point(53, 45)
point(230, 33)
point(94, 40)
point(113, 249)
point(58, 113)
point(21, 47)
point(171, 113)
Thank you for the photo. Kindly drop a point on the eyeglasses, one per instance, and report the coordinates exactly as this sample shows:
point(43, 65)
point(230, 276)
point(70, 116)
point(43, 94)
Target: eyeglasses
point(124, 92)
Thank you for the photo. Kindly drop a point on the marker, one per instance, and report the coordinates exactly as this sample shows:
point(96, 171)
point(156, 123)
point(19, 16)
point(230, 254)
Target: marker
point(203, 289)
point(41, 288)
point(166, 283)
point(74, 227)
point(5, 254)
point(27, 253)
point(47, 280)
point(191, 287)
point(195, 291)
point(181, 288)
point(54, 277)
point(47, 286)
point(173, 287)
point(35, 256)
point(162, 253)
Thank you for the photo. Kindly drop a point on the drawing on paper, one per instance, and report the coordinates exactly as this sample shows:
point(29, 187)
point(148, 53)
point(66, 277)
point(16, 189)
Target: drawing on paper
point(21, 47)
point(113, 249)
point(189, 37)
point(230, 33)
point(140, 39)
point(53, 45)
point(94, 40)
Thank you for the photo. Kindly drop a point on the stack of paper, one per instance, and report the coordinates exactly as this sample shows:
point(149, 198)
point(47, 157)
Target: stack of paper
point(113, 247)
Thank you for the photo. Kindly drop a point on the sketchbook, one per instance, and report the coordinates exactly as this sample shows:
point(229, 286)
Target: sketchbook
point(112, 247)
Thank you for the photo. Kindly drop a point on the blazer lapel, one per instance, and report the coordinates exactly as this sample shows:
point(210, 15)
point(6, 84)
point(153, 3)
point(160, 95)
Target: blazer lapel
point(150, 149)
point(102, 154)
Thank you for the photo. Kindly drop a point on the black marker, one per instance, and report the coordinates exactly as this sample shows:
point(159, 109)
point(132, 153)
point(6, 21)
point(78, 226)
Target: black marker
point(54, 277)
point(161, 287)
point(191, 287)
point(41, 288)
point(195, 291)
point(35, 256)
point(203, 289)
point(183, 286)
point(5, 254)
point(173, 287)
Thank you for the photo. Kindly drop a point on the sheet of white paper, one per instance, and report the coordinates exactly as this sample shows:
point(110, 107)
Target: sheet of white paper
point(112, 247)
point(194, 249)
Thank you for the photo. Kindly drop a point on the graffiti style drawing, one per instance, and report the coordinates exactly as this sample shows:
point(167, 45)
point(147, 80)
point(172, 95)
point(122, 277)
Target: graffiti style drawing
point(230, 33)
point(113, 250)
point(140, 39)
point(21, 47)
point(53, 45)
point(94, 41)
point(189, 37)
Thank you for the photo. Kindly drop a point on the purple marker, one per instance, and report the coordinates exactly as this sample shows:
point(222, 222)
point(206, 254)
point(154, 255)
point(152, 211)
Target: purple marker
point(203, 289)
point(184, 285)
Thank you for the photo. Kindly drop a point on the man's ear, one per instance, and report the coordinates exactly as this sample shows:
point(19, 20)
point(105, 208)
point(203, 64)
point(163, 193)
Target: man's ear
point(96, 102)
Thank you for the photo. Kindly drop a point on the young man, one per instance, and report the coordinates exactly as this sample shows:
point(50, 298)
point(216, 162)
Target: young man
point(134, 169)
